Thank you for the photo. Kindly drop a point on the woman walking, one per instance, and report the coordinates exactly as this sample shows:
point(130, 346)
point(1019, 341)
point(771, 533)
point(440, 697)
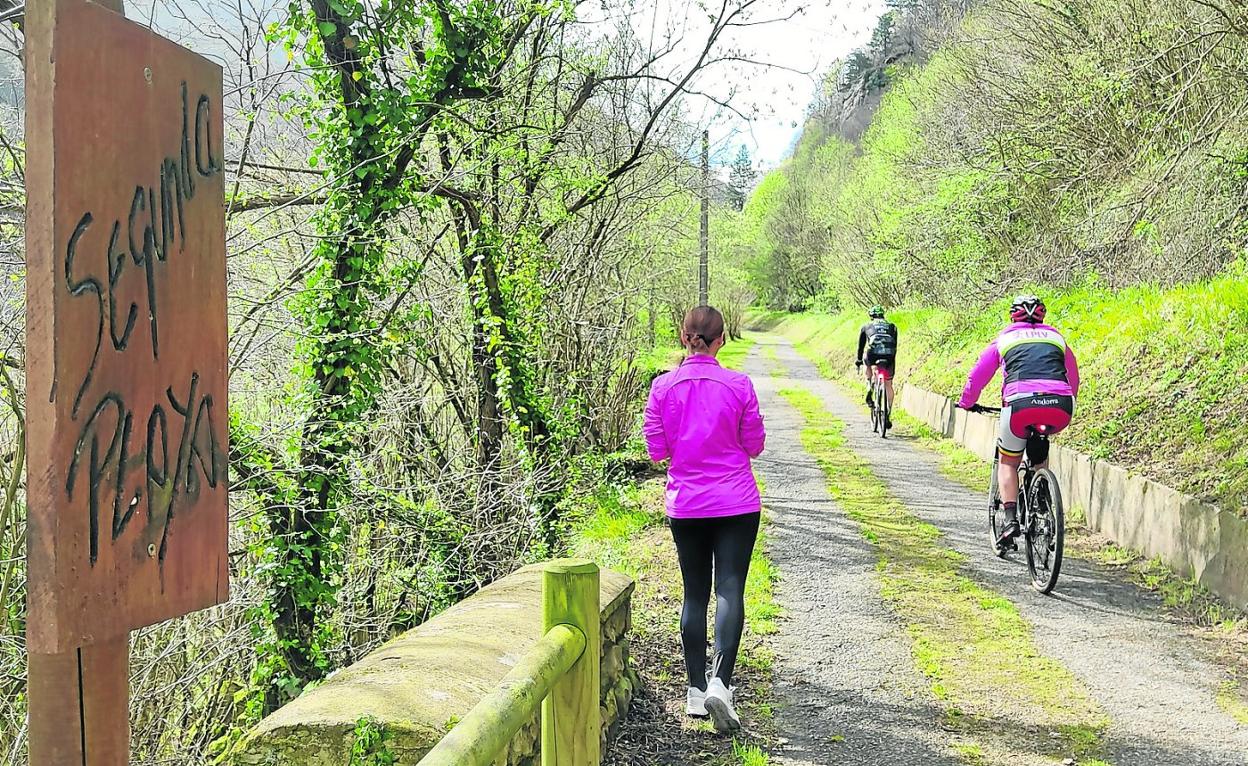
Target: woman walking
point(705, 419)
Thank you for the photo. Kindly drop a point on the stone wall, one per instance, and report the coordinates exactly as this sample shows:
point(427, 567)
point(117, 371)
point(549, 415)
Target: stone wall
point(1198, 540)
point(418, 685)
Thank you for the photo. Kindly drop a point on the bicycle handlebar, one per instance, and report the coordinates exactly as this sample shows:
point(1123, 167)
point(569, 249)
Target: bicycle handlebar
point(984, 410)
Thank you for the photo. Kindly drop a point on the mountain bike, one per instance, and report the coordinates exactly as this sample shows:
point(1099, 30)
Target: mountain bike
point(1041, 515)
point(881, 411)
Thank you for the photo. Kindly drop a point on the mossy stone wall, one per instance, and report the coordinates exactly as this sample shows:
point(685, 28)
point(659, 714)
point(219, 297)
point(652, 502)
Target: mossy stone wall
point(418, 685)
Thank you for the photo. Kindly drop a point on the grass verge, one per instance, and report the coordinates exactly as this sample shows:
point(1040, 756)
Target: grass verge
point(624, 528)
point(733, 354)
point(968, 640)
point(667, 356)
point(1231, 699)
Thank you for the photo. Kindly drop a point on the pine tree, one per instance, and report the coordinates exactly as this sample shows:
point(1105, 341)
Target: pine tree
point(741, 178)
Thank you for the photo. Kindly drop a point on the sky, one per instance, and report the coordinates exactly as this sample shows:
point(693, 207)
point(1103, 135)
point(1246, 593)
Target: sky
point(776, 98)
point(779, 57)
point(793, 42)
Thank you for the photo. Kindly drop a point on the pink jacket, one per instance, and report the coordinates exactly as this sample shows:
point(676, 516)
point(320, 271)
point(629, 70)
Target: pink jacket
point(706, 419)
point(1033, 358)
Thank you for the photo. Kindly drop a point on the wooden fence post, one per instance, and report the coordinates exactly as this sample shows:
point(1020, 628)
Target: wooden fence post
point(77, 706)
point(570, 718)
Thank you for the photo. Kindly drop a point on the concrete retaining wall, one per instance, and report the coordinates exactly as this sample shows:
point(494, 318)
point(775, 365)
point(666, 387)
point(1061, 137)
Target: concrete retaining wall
point(1197, 539)
point(417, 685)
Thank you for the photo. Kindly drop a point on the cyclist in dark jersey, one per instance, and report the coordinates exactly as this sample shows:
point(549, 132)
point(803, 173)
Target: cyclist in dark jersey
point(878, 338)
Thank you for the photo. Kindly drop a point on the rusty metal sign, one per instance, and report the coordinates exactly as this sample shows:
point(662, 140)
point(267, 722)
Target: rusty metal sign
point(126, 328)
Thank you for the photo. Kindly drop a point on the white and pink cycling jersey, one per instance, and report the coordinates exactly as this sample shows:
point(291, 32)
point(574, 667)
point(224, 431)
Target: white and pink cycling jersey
point(1033, 359)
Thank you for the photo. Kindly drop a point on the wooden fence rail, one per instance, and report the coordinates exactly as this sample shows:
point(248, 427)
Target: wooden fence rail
point(560, 674)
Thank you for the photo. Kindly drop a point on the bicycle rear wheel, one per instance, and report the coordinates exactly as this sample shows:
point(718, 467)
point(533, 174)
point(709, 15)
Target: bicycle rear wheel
point(886, 413)
point(1046, 530)
point(996, 513)
point(875, 406)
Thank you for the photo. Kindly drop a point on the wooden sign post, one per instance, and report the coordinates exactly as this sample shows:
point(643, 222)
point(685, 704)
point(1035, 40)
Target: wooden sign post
point(125, 361)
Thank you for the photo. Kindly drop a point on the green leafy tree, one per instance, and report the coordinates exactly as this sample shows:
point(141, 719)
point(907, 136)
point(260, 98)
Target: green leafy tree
point(382, 75)
point(520, 155)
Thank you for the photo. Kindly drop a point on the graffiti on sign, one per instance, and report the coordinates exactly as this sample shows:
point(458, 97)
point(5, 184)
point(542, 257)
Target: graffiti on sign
point(126, 325)
point(151, 234)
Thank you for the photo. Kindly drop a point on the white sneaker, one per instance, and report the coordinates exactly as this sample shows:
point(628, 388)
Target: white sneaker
point(695, 702)
point(719, 706)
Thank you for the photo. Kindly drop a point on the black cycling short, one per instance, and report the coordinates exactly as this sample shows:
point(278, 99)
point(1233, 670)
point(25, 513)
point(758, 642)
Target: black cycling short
point(886, 363)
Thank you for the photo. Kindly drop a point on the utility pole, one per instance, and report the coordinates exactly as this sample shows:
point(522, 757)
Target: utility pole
point(703, 281)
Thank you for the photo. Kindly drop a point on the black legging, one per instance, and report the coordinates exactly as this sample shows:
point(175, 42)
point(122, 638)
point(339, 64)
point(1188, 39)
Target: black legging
point(724, 545)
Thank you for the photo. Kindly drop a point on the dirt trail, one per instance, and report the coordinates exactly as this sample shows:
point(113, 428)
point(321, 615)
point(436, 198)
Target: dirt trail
point(849, 689)
point(843, 661)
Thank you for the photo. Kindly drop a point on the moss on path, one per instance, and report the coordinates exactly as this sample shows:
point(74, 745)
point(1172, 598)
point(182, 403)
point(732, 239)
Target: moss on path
point(1006, 698)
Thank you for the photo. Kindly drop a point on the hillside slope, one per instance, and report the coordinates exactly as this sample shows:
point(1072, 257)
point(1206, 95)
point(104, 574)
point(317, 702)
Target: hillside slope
point(1092, 151)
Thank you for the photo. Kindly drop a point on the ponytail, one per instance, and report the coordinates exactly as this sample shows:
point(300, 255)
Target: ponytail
point(702, 326)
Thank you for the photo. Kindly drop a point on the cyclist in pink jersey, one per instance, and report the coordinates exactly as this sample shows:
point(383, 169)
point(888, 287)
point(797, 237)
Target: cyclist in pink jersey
point(705, 420)
point(1041, 381)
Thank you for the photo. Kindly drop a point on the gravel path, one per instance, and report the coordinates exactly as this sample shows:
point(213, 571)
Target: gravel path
point(848, 688)
point(1157, 684)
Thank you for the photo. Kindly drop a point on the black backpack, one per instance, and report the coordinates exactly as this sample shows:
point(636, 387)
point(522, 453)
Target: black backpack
point(882, 338)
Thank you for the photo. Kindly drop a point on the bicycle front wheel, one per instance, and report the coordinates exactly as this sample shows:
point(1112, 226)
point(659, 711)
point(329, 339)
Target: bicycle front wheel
point(1046, 530)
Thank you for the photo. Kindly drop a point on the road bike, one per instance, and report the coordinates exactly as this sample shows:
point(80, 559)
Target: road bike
point(1041, 515)
point(881, 410)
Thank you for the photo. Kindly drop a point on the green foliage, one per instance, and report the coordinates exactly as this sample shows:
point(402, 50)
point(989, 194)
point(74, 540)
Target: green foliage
point(749, 755)
point(369, 745)
point(780, 238)
point(671, 235)
point(366, 125)
point(614, 516)
point(1035, 144)
point(741, 178)
point(733, 354)
point(1233, 701)
point(1154, 364)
